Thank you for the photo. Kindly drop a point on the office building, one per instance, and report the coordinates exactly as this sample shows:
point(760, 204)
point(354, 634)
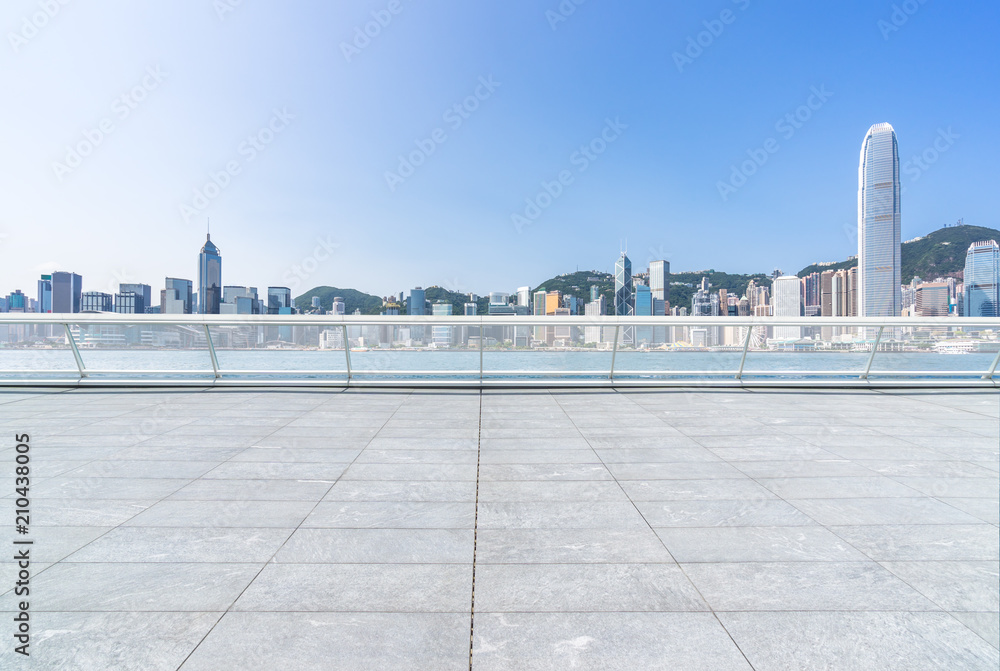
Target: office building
point(659, 280)
point(441, 335)
point(879, 260)
point(129, 302)
point(45, 294)
point(787, 297)
point(177, 289)
point(982, 280)
point(524, 296)
point(97, 301)
point(67, 290)
point(209, 278)
point(932, 299)
point(143, 290)
point(278, 298)
point(624, 302)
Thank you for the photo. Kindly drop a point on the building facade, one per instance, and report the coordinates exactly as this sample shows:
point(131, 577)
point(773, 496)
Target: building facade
point(209, 278)
point(982, 280)
point(879, 260)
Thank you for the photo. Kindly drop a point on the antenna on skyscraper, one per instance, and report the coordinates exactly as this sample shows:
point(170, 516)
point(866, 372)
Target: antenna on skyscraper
point(208, 228)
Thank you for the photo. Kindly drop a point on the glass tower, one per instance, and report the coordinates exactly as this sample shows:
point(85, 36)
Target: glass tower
point(659, 280)
point(209, 278)
point(623, 295)
point(982, 280)
point(878, 224)
point(66, 292)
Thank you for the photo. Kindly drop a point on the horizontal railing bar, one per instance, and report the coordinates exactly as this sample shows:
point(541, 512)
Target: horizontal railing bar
point(201, 321)
point(501, 373)
point(500, 383)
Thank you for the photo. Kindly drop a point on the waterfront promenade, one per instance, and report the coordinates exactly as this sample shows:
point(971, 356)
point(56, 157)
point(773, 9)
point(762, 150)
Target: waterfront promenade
point(707, 529)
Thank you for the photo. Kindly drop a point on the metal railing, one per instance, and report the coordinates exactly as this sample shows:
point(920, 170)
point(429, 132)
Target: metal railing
point(865, 336)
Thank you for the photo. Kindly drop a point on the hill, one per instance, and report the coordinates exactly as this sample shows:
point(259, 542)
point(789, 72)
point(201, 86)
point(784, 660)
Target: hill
point(578, 284)
point(682, 288)
point(353, 300)
point(937, 254)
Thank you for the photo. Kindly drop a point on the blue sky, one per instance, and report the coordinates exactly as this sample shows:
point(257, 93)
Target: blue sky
point(309, 119)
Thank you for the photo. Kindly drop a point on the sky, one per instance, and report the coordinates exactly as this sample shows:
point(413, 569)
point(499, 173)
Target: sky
point(387, 144)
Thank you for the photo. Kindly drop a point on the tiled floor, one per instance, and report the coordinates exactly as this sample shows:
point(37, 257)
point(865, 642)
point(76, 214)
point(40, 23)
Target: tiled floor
point(225, 529)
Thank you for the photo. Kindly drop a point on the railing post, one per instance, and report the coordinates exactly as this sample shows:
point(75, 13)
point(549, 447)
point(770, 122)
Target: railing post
point(614, 352)
point(76, 352)
point(481, 350)
point(743, 359)
point(864, 376)
point(211, 350)
point(993, 367)
point(347, 353)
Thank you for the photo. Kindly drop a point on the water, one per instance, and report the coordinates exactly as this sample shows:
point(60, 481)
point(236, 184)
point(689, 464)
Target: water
point(463, 363)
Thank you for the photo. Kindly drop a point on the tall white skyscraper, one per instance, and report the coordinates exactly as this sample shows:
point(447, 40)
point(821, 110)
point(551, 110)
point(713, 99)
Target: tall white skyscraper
point(982, 279)
point(878, 224)
point(787, 297)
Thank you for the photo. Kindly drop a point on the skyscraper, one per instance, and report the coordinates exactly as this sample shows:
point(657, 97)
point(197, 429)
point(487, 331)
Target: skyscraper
point(209, 278)
point(982, 280)
point(417, 305)
point(878, 224)
point(66, 292)
point(623, 295)
point(176, 296)
point(787, 297)
point(659, 280)
point(277, 298)
point(45, 294)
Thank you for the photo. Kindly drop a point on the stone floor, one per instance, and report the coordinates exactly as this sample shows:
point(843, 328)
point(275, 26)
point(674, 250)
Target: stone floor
point(225, 529)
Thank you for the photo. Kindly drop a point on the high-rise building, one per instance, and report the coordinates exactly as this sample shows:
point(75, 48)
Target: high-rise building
point(810, 295)
point(277, 298)
point(932, 299)
point(130, 302)
point(624, 304)
point(177, 290)
point(594, 293)
point(879, 260)
point(417, 305)
point(97, 301)
point(143, 290)
point(982, 280)
point(441, 335)
point(67, 290)
point(524, 296)
point(45, 294)
point(787, 297)
point(659, 280)
point(209, 278)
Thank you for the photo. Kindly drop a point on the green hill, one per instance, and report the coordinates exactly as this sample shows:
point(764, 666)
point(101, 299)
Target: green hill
point(578, 284)
point(353, 300)
point(457, 300)
point(937, 254)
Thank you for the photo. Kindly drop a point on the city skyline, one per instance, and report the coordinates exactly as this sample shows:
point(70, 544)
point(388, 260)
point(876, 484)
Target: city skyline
point(599, 120)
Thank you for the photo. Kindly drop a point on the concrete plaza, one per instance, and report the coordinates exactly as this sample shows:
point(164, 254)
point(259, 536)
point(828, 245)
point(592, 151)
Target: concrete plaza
point(403, 529)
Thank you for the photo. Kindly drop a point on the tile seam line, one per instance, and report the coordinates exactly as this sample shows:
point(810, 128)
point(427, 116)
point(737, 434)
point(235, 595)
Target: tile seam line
point(475, 533)
point(711, 609)
point(292, 533)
